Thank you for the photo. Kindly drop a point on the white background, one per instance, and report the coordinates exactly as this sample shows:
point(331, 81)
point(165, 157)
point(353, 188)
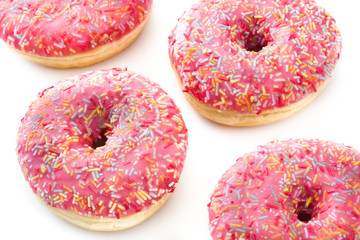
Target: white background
point(213, 148)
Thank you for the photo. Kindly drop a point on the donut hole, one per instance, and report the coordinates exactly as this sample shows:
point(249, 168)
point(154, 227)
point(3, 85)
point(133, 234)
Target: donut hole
point(250, 37)
point(305, 213)
point(255, 43)
point(101, 140)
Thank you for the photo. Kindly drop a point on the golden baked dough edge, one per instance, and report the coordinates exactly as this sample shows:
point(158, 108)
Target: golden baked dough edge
point(105, 223)
point(87, 58)
point(236, 119)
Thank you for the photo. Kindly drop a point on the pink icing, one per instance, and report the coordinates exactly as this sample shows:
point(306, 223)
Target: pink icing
point(61, 28)
point(140, 163)
point(250, 56)
point(295, 189)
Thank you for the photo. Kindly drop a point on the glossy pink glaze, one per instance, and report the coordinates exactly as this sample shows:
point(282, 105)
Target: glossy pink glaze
point(250, 56)
point(53, 28)
point(264, 192)
point(140, 163)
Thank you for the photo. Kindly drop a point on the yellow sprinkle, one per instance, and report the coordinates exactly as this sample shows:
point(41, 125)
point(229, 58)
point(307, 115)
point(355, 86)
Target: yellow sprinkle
point(315, 178)
point(43, 169)
point(92, 114)
point(222, 92)
point(101, 208)
point(308, 201)
point(234, 80)
point(282, 50)
point(249, 62)
point(305, 75)
point(139, 197)
point(142, 195)
point(160, 98)
point(219, 103)
point(42, 138)
point(248, 18)
point(93, 170)
point(112, 208)
point(305, 53)
point(130, 120)
point(145, 194)
point(313, 26)
point(149, 160)
point(228, 207)
point(67, 188)
point(66, 169)
point(274, 227)
point(189, 19)
point(63, 195)
point(343, 231)
point(236, 225)
point(275, 236)
point(35, 177)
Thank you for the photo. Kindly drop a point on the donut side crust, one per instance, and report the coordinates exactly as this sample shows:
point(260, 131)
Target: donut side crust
point(236, 119)
point(106, 224)
point(87, 58)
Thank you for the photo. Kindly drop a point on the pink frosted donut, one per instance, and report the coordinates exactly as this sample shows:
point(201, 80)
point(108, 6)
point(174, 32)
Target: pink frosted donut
point(295, 189)
point(103, 150)
point(70, 33)
point(251, 62)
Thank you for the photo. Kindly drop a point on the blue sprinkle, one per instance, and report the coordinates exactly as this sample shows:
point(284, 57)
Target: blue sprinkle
point(131, 172)
point(338, 180)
